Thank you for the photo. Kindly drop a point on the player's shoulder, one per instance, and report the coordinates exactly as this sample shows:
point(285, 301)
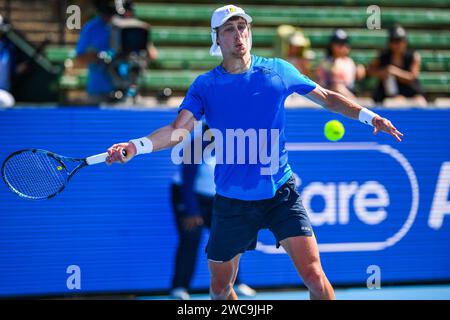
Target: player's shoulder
point(275, 63)
point(264, 62)
point(202, 81)
point(203, 78)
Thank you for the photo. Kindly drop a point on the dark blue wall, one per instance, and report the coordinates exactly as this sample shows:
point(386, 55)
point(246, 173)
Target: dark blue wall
point(116, 224)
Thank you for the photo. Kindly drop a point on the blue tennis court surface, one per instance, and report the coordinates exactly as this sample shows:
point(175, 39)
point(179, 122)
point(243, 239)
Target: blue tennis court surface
point(429, 292)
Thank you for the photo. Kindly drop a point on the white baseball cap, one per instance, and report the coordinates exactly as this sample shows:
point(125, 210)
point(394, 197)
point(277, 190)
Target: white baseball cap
point(219, 17)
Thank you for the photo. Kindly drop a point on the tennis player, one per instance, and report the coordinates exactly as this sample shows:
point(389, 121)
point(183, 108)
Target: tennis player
point(248, 92)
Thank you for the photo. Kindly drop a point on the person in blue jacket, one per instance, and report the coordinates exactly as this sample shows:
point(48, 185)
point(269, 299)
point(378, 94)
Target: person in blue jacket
point(192, 195)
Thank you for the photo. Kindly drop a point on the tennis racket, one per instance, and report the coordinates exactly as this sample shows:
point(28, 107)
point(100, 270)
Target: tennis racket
point(36, 174)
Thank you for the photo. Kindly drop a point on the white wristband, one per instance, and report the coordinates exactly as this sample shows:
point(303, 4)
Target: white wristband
point(143, 145)
point(366, 116)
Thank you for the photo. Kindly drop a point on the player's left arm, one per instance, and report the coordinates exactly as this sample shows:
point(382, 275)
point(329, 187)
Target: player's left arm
point(336, 102)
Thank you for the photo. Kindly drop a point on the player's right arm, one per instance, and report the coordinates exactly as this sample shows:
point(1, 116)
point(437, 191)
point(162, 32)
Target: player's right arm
point(191, 109)
point(161, 138)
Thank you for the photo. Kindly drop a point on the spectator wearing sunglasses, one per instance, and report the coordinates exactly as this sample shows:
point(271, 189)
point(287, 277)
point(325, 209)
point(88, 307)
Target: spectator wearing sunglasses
point(397, 70)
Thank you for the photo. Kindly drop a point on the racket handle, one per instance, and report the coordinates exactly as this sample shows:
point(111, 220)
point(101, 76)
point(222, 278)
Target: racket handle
point(100, 158)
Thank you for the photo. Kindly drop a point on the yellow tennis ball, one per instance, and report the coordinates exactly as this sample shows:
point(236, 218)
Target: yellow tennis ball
point(334, 130)
point(59, 168)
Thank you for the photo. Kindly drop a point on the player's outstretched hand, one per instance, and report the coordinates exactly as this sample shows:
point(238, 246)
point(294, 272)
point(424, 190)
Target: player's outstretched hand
point(116, 152)
point(384, 125)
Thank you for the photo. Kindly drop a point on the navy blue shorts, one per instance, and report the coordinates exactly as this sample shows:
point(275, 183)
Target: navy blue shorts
point(235, 223)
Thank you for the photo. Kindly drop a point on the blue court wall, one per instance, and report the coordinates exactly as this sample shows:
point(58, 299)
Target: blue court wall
point(375, 205)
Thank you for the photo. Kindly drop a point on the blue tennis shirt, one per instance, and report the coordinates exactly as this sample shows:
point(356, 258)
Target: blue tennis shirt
point(250, 102)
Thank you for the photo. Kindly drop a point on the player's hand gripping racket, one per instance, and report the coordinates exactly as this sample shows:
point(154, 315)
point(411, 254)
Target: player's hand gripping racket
point(39, 174)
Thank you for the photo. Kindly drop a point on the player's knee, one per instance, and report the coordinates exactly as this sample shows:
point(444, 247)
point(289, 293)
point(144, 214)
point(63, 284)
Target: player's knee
point(314, 278)
point(221, 282)
point(220, 290)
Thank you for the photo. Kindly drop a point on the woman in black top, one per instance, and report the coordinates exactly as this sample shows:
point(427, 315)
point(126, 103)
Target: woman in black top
point(398, 70)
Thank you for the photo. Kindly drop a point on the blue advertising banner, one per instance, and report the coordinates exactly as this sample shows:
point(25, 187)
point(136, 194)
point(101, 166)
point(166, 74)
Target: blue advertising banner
point(376, 205)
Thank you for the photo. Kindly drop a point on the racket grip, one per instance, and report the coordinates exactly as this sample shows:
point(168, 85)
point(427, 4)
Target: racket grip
point(98, 158)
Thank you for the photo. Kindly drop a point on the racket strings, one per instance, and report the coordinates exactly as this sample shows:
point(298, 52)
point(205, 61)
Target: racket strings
point(35, 175)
